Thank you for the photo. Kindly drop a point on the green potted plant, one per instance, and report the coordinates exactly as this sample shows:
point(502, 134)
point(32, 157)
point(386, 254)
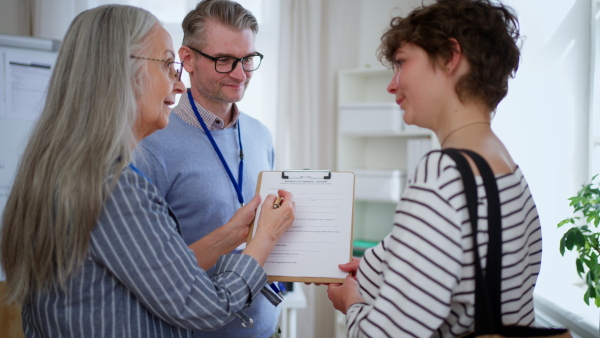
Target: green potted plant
point(583, 236)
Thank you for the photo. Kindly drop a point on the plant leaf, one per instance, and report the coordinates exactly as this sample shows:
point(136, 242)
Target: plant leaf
point(583, 236)
point(592, 292)
point(570, 240)
point(589, 280)
point(586, 297)
point(579, 264)
point(567, 220)
point(579, 238)
point(590, 218)
point(593, 265)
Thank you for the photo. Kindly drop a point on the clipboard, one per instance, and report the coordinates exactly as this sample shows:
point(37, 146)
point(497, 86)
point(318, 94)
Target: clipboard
point(321, 235)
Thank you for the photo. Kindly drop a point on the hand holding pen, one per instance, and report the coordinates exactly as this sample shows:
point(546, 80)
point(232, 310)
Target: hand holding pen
point(277, 202)
point(273, 222)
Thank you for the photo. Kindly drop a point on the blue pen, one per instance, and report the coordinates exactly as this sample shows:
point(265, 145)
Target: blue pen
point(275, 289)
point(282, 288)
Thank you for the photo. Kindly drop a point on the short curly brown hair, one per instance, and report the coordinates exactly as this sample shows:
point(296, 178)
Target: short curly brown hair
point(487, 34)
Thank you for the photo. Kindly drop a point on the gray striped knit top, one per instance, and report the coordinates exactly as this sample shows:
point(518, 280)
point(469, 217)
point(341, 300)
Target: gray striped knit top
point(419, 281)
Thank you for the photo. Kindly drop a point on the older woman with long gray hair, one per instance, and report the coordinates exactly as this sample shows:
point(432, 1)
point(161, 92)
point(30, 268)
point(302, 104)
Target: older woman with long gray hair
point(88, 246)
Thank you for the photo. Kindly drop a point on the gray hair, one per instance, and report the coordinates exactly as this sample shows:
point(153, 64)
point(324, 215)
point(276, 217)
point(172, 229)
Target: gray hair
point(84, 135)
point(229, 13)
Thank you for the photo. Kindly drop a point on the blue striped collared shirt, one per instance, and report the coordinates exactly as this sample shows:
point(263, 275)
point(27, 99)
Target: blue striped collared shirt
point(139, 279)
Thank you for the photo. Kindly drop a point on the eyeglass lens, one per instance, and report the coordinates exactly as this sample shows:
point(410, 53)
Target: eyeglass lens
point(176, 68)
point(227, 64)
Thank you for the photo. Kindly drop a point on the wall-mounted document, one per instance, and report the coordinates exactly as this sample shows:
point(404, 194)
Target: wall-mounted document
point(321, 235)
point(26, 65)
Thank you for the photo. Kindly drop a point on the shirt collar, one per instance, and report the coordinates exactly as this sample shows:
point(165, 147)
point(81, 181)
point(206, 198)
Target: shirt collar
point(213, 122)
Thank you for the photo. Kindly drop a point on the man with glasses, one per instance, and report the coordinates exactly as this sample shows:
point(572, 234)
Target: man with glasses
point(206, 162)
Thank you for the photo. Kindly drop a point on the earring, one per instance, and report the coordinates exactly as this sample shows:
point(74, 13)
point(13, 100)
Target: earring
point(447, 69)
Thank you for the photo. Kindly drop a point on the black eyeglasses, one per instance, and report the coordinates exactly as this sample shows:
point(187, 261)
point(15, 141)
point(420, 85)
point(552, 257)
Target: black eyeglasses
point(171, 64)
point(226, 64)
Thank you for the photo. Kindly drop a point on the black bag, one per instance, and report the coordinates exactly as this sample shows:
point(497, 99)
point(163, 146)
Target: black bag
point(488, 316)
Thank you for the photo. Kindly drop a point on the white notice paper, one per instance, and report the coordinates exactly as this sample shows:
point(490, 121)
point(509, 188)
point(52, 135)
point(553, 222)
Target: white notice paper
point(321, 235)
point(27, 78)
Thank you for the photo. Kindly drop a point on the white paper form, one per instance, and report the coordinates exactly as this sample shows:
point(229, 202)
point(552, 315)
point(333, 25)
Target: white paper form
point(321, 236)
point(27, 78)
point(24, 77)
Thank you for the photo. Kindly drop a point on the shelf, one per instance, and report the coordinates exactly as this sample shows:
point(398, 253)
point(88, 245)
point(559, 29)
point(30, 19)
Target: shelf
point(360, 246)
point(376, 144)
point(375, 119)
point(379, 185)
point(385, 152)
point(373, 220)
point(292, 301)
point(364, 85)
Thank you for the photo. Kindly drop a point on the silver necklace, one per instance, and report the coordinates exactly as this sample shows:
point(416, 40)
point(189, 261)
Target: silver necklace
point(459, 128)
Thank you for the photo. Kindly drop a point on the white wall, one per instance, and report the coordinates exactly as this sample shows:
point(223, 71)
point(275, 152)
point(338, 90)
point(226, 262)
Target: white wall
point(12, 17)
point(544, 122)
point(375, 17)
point(544, 119)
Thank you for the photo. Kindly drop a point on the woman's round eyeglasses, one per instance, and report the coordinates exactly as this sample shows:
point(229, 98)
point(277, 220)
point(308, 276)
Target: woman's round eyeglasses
point(172, 65)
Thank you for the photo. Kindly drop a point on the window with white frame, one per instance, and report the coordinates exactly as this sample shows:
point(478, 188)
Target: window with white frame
point(594, 116)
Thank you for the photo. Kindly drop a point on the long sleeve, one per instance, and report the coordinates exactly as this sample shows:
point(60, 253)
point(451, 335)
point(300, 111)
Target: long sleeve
point(417, 267)
point(139, 279)
point(419, 281)
point(136, 240)
point(182, 163)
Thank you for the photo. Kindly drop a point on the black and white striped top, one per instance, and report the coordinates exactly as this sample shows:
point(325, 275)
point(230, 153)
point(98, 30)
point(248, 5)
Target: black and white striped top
point(139, 279)
point(419, 281)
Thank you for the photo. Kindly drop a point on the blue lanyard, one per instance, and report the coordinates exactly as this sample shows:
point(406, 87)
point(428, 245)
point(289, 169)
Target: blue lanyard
point(237, 185)
point(134, 168)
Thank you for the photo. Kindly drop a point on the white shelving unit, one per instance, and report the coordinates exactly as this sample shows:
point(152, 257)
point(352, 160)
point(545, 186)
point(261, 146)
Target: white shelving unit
point(292, 301)
point(379, 148)
point(374, 142)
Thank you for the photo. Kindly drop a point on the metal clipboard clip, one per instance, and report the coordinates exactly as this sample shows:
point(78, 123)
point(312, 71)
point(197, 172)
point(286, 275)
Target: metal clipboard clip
point(309, 173)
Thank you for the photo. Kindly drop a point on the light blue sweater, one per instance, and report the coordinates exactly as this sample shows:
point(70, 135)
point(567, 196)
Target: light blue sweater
point(182, 163)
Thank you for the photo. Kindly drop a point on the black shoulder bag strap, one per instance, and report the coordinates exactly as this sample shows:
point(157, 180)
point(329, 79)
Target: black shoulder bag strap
point(484, 320)
point(488, 315)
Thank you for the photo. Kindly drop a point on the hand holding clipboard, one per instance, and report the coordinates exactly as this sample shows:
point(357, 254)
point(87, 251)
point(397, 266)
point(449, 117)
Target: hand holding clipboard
point(273, 224)
point(321, 234)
